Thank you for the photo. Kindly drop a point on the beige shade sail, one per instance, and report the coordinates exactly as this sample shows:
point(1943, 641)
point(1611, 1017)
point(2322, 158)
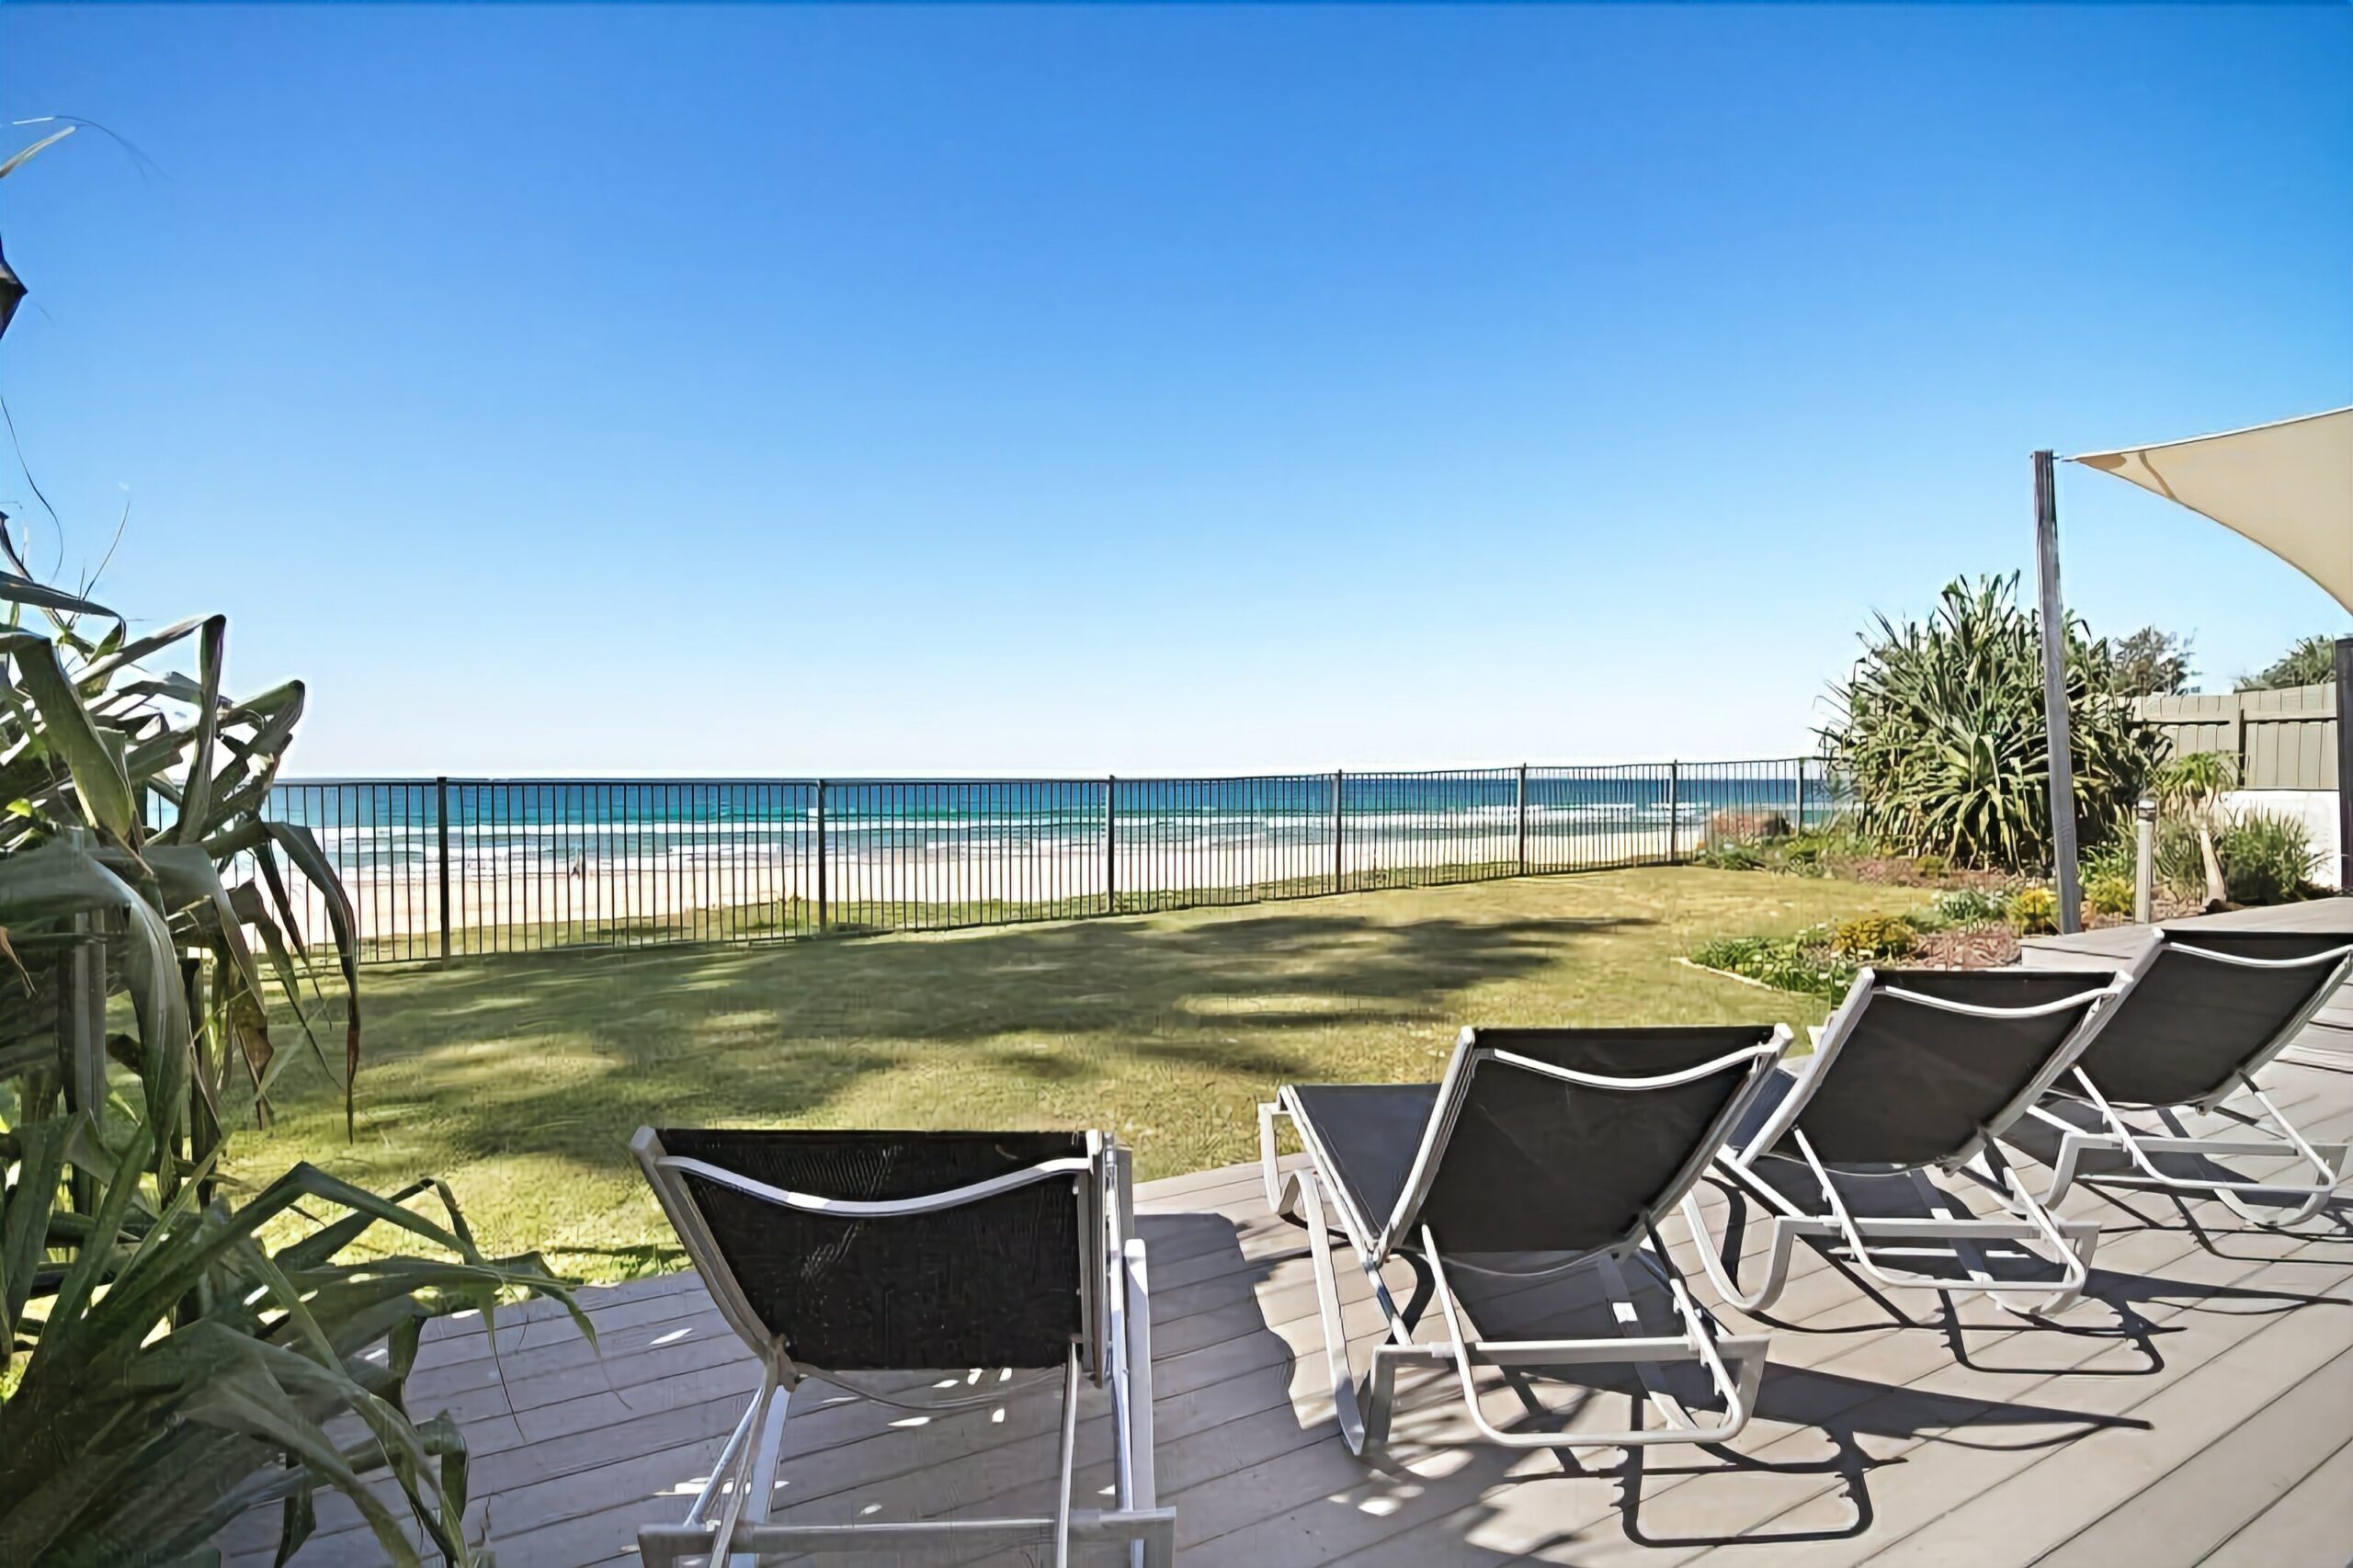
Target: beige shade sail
point(2287, 486)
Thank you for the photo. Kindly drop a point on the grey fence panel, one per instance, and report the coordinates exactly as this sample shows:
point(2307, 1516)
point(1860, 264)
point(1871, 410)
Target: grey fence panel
point(2280, 739)
point(451, 868)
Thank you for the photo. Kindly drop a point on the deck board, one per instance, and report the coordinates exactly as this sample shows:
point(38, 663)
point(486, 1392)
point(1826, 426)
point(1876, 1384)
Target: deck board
point(2200, 1401)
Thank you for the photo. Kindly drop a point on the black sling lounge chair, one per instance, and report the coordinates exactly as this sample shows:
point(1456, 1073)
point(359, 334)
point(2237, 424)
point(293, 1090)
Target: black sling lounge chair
point(2208, 1009)
point(1917, 1070)
point(836, 1253)
point(1542, 1151)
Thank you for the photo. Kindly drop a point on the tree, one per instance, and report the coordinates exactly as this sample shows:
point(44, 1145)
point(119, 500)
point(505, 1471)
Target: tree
point(1940, 733)
point(2151, 663)
point(2308, 661)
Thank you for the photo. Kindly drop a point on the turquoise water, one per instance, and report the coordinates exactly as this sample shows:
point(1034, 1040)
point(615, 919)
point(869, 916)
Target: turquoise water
point(380, 823)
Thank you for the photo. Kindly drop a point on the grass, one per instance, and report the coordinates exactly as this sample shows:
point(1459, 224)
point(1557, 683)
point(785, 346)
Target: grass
point(519, 1080)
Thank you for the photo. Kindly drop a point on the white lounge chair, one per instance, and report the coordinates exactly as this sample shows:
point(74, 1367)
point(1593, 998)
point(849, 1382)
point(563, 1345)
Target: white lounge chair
point(2206, 1010)
point(1542, 1151)
point(836, 1254)
point(1915, 1072)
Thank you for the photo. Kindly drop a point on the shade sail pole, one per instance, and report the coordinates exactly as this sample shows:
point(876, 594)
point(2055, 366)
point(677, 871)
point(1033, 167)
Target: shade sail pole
point(2055, 695)
point(2345, 764)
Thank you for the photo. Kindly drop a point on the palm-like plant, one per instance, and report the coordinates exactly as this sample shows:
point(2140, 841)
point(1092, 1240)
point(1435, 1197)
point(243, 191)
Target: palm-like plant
point(177, 1359)
point(169, 1358)
point(2193, 786)
point(1940, 733)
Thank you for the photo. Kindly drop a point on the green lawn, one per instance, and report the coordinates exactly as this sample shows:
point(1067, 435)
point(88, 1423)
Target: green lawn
point(519, 1081)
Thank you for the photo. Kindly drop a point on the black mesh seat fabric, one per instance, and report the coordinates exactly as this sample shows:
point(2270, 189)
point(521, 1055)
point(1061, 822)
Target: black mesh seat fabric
point(1532, 1164)
point(2190, 1022)
point(1916, 1085)
point(1370, 1133)
point(1537, 1165)
point(995, 1283)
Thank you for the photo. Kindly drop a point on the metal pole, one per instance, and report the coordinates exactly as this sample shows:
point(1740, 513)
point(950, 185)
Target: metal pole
point(821, 856)
point(1111, 844)
point(1522, 802)
point(2054, 696)
point(2145, 860)
point(1674, 808)
point(1799, 825)
point(441, 821)
point(1339, 871)
point(2345, 764)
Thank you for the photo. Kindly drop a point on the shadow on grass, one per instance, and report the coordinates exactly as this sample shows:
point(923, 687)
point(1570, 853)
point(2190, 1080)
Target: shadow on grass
point(765, 1035)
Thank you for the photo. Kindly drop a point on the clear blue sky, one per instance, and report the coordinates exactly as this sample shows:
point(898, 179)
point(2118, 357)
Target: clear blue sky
point(763, 390)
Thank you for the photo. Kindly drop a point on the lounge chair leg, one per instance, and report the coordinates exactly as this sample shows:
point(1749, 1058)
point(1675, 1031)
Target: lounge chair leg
point(2071, 1256)
point(1301, 1195)
point(2072, 1145)
point(2325, 1163)
point(1070, 1456)
point(725, 1464)
point(1723, 1270)
point(1379, 1399)
point(2072, 1240)
point(755, 1474)
point(1698, 1343)
point(1268, 1174)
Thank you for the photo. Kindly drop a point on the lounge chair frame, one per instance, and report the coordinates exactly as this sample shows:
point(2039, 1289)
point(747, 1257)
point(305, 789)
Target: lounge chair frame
point(1872, 1244)
point(729, 1520)
point(1309, 1197)
point(2325, 1162)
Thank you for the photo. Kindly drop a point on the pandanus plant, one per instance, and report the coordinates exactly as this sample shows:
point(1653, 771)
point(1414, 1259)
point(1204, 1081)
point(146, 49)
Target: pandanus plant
point(174, 1348)
point(1940, 733)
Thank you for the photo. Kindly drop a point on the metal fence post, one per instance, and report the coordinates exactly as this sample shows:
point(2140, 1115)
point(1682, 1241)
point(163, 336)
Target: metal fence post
point(441, 856)
point(1799, 825)
point(1673, 813)
point(821, 857)
point(1339, 864)
point(1110, 844)
point(1521, 802)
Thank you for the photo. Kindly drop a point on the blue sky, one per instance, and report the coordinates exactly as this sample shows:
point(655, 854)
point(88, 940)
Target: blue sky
point(776, 389)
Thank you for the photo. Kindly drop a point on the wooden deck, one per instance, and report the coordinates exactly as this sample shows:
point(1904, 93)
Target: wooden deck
point(2199, 1406)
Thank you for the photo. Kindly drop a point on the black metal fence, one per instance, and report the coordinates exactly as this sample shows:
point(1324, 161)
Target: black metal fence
point(447, 866)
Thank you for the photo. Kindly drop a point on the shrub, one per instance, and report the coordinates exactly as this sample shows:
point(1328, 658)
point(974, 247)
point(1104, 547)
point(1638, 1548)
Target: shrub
point(2034, 911)
point(2181, 866)
point(2308, 661)
point(1803, 963)
point(1970, 906)
point(1870, 936)
point(1940, 733)
point(2114, 856)
point(1932, 865)
point(1730, 856)
point(2266, 858)
point(2109, 894)
point(1813, 852)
